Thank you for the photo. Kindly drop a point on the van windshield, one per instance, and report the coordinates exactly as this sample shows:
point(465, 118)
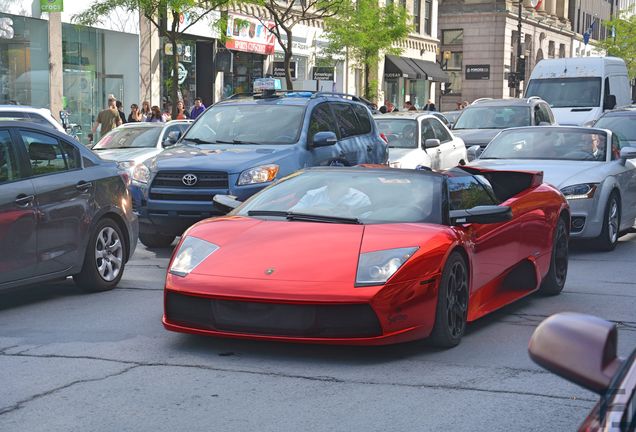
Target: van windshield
point(567, 92)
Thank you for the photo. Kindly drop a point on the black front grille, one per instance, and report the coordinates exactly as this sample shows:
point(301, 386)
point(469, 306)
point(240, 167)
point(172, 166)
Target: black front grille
point(318, 321)
point(180, 197)
point(205, 180)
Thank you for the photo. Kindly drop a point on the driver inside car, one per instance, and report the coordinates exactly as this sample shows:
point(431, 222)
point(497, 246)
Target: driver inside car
point(595, 145)
point(334, 197)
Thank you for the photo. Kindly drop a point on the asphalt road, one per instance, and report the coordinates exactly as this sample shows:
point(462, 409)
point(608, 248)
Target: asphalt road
point(103, 362)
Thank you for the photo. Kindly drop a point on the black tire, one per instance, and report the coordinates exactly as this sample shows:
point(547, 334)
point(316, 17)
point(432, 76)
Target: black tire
point(611, 224)
point(452, 303)
point(101, 273)
point(156, 240)
point(554, 280)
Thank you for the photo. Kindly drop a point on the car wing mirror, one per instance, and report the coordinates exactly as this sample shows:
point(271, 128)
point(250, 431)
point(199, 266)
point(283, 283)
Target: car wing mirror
point(481, 214)
point(473, 152)
point(172, 138)
point(324, 139)
point(225, 203)
point(580, 348)
point(431, 143)
point(628, 153)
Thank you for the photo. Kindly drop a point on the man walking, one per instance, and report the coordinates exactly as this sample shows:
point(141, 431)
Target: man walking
point(198, 108)
point(108, 119)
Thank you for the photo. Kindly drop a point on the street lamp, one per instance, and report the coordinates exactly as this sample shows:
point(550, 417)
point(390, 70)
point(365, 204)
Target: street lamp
point(514, 79)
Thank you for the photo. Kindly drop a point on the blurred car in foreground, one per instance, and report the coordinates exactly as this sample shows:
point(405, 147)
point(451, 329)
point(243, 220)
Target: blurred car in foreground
point(134, 143)
point(482, 121)
point(63, 211)
point(583, 350)
point(622, 122)
point(596, 176)
point(369, 256)
point(420, 139)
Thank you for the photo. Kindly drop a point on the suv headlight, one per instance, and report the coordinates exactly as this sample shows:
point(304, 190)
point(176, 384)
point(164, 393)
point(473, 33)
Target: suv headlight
point(579, 191)
point(141, 174)
point(259, 174)
point(375, 268)
point(125, 165)
point(192, 252)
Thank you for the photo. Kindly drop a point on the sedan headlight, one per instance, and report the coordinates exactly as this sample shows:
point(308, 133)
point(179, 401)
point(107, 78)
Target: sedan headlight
point(192, 252)
point(124, 165)
point(579, 191)
point(375, 268)
point(395, 164)
point(141, 174)
point(259, 174)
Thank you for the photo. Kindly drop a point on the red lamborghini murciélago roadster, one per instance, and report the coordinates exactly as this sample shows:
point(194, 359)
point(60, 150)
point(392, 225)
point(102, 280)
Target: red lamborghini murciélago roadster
point(370, 256)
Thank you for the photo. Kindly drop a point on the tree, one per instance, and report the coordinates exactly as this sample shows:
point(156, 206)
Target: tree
point(623, 44)
point(157, 12)
point(366, 30)
point(285, 17)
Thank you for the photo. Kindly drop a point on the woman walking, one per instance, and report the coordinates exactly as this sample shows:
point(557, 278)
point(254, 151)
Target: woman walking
point(135, 116)
point(145, 110)
point(182, 114)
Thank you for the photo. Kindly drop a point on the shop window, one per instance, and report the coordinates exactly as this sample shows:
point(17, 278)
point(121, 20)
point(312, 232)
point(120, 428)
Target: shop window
point(452, 37)
point(454, 68)
point(561, 50)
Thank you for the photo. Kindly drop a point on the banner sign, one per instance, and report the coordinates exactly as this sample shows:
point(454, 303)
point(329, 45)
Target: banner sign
point(323, 74)
point(278, 69)
point(477, 72)
point(52, 5)
point(248, 34)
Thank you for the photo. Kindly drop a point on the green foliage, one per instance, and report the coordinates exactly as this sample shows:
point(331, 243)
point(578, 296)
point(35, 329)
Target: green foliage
point(624, 44)
point(367, 30)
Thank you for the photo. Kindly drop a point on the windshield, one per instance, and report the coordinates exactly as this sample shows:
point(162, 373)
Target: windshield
point(247, 124)
point(400, 133)
point(623, 126)
point(364, 195)
point(130, 137)
point(493, 117)
point(548, 143)
point(567, 92)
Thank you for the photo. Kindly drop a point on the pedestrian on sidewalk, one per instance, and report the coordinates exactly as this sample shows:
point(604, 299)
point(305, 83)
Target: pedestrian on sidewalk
point(198, 108)
point(120, 108)
point(145, 110)
point(107, 119)
point(182, 114)
point(155, 115)
point(135, 115)
point(430, 106)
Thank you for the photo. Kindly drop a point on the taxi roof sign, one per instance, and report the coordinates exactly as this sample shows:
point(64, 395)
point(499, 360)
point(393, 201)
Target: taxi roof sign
point(263, 84)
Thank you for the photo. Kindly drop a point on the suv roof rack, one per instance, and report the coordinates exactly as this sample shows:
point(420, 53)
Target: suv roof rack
point(484, 99)
point(533, 98)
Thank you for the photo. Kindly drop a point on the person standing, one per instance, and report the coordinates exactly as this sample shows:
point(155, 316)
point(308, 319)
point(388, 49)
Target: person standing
point(155, 115)
point(430, 106)
point(182, 114)
point(145, 110)
point(135, 116)
point(198, 108)
point(107, 119)
point(120, 109)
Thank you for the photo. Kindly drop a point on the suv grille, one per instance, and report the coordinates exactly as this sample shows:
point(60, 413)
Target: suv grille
point(205, 180)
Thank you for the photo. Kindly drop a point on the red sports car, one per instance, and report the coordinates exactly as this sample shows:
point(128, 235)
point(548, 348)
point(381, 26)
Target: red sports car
point(370, 256)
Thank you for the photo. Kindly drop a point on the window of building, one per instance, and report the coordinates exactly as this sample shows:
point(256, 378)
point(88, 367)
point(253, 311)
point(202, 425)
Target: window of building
point(551, 49)
point(452, 37)
point(454, 68)
point(428, 11)
point(561, 50)
point(417, 9)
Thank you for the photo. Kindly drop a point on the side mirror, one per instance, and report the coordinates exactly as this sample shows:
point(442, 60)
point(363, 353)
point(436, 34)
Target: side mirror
point(580, 348)
point(609, 102)
point(473, 152)
point(324, 139)
point(481, 214)
point(431, 143)
point(226, 203)
point(172, 138)
point(628, 153)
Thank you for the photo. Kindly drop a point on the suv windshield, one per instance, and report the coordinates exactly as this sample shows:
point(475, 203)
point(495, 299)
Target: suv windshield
point(400, 133)
point(366, 196)
point(247, 124)
point(548, 143)
point(492, 117)
point(130, 137)
point(567, 92)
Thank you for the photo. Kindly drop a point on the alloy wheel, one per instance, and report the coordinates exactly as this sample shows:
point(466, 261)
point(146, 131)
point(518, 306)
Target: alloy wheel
point(457, 299)
point(612, 221)
point(109, 254)
point(561, 254)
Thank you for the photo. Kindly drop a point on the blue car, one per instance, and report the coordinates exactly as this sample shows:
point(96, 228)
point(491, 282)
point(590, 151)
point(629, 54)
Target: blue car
point(240, 146)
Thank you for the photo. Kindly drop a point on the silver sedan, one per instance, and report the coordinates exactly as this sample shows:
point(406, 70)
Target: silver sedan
point(587, 165)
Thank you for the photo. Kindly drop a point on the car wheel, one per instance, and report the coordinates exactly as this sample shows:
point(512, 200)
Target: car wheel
point(104, 260)
point(156, 240)
point(452, 303)
point(611, 224)
point(554, 280)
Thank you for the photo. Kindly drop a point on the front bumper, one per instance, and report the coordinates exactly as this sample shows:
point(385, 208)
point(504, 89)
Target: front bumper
point(297, 311)
point(586, 218)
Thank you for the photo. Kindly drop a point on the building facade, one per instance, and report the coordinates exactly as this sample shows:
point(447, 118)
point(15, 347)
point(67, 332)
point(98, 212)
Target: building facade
point(479, 44)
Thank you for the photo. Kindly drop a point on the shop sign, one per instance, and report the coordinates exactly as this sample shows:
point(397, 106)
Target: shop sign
point(6, 28)
point(323, 74)
point(279, 69)
point(52, 5)
point(183, 51)
point(477, 72)
point(248, 34)
point(183, 73)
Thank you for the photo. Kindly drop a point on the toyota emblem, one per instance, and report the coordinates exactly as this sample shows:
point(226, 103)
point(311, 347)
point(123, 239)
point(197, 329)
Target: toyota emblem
point(189, 179)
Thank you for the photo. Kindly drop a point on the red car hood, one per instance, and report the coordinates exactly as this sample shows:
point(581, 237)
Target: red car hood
point(280, 250)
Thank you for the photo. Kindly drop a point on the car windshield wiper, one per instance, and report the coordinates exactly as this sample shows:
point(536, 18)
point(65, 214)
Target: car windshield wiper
point(304, 217)
point(199, 141)
point(235, 141)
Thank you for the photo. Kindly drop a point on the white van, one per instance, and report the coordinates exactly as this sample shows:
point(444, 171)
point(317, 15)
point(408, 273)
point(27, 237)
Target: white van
point(579, 89)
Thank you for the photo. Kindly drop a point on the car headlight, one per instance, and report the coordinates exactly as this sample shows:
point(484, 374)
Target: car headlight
point(192, 252)
point(375, 268)
point(124, 165)
point(141, 174)
point(259, 174)
point(395, 164)
point(579, 191)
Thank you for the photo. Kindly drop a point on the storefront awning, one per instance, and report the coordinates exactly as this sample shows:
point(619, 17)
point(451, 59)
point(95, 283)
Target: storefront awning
point(431, 69)
point(400, 67)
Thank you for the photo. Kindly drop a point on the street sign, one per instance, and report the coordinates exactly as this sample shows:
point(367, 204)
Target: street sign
point(52, 5)
point(477, 72)
point(323, 73)
point(278, 69)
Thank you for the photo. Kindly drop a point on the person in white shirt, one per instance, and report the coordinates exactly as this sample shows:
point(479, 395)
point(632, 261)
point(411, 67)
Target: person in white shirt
point(341, 200)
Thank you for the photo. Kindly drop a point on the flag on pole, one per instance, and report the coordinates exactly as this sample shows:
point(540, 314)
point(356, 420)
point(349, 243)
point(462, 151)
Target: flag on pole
point(539, 3)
